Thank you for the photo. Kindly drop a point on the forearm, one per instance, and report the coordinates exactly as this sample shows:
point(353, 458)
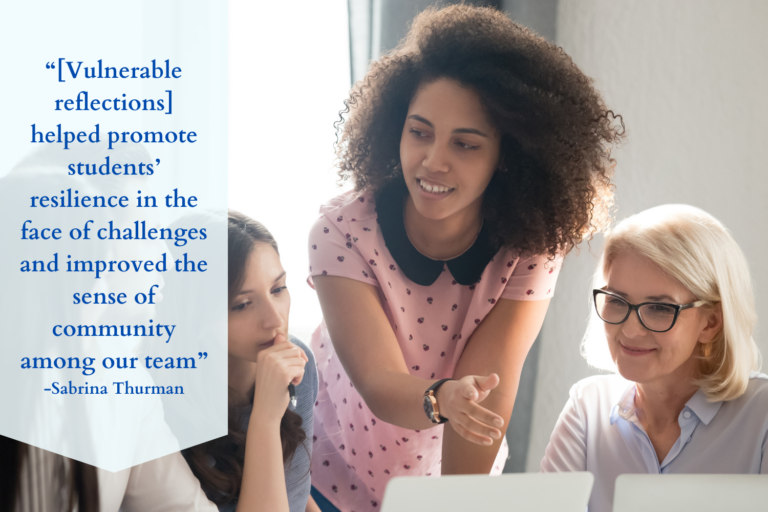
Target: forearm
point(263, 487)
point(499, 345)
point(369, 352)
point(396, 398)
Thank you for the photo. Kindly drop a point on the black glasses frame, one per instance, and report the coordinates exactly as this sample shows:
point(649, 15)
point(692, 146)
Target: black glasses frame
point(636, 307)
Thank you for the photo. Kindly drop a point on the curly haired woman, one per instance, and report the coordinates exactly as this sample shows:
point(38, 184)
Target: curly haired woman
point(480, 157)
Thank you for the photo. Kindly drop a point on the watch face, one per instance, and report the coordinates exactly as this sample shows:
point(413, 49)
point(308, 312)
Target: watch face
point(428, 408)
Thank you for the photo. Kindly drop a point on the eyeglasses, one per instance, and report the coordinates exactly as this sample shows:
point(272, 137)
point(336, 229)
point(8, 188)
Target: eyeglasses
point(654, 316)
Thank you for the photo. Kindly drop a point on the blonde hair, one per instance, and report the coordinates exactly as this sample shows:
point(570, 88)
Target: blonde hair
point(693, 247)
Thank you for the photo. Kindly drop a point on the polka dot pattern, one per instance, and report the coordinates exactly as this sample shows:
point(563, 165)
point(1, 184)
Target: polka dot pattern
point(352, 464)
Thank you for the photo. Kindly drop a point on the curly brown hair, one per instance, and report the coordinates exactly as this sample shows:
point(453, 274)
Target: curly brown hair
point(553, 186)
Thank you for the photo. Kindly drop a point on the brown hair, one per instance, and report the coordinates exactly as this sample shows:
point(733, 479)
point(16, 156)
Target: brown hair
point(556, 133)
point(79, 484)
point(221, 482)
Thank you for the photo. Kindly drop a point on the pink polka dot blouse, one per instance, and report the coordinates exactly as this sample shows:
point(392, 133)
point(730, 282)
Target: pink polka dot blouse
point(355, 454)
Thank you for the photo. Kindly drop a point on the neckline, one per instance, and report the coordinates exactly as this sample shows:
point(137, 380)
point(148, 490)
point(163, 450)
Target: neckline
point(482, 223)
point(698, 405)
point(466, 268)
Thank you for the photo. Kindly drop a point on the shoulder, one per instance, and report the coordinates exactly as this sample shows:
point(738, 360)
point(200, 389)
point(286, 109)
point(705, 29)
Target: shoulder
point(535, 263)
point(749, 412)
point(342, 216)
point(757, 390)
point(342, 238)
point(351, 206)
point(532, 277)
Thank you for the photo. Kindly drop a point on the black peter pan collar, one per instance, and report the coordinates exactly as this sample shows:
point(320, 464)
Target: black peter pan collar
point(466, 268)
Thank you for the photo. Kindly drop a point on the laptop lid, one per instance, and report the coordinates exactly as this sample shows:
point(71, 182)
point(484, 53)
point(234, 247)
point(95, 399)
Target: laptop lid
point(701, 493)
point(519, 492)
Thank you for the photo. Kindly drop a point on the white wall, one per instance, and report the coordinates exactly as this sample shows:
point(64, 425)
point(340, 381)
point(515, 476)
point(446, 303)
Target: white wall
point(288, 79)
point(689, 77)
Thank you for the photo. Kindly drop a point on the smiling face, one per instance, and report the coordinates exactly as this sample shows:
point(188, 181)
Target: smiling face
point(641, 355)
point(448, 150)
point(259, 312)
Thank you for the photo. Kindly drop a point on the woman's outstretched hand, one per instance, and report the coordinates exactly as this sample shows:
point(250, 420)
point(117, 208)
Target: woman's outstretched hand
point(276, 367)
point(458, 401)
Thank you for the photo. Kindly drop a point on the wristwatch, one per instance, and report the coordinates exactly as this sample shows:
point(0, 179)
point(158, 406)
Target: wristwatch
point(430, 403)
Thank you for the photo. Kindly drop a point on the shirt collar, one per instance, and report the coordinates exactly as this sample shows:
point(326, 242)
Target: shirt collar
point(698, 404)
point(625, 407)
point(466, 268)
point(702, 407)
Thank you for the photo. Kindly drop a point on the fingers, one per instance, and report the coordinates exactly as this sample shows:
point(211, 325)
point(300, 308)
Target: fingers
point(469, 435)
point(297, 376)
point(472, 430)
point(487, 383)
point(476, 387)
point(283, 362)
point(483, 415)
point(470, 420)
point(469, 390)
point(289, 372)
point(284, 350)
point(292, 352)
point(283, 343)
point(476, 424)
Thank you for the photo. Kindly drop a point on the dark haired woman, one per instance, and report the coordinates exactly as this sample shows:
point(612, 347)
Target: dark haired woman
point(263, 464)
point(480, 155)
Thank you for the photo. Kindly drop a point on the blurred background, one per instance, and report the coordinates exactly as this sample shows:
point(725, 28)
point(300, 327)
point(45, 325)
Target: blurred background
point(687, 76)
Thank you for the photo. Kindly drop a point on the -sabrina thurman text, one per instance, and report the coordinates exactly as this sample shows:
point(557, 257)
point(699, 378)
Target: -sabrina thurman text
point(118, 388)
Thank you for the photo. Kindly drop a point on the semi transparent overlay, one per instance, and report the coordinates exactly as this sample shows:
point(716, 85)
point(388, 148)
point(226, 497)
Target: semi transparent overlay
point(113, 311)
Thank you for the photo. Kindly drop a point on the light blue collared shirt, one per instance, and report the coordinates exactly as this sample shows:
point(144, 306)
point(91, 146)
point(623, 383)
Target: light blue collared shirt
point(598, 431)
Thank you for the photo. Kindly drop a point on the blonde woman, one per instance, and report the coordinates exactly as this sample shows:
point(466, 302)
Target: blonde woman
point(673, 315)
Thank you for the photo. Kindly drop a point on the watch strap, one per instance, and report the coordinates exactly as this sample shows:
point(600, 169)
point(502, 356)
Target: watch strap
point(433, 391)
point(436, 385)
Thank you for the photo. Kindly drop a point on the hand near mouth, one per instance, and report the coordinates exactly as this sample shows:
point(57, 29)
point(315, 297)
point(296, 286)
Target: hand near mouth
point(276, 367)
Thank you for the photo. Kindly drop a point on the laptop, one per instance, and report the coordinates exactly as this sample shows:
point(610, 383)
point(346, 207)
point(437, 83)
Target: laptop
point(518, 492)
point(700, 493)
